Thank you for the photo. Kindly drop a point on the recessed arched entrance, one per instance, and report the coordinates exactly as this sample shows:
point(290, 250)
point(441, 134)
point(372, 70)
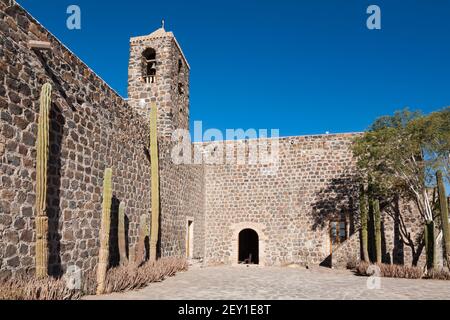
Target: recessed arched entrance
point(248, 247)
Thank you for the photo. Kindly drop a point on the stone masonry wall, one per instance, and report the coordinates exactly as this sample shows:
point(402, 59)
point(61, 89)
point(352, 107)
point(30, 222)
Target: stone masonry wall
point(91, 128)
point(291, 208)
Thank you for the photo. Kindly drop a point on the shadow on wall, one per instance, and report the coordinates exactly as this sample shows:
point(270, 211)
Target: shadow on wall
point(341, 199)
point(57, 123)
point(336, 202)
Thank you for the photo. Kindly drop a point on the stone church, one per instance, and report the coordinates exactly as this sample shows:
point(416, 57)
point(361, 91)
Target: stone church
point(305, 212)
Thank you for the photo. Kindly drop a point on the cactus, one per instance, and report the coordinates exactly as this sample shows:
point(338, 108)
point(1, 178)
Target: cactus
point(104, 232)
point(143, 232)
point(122, 235)
point(364, 233)
point(42, 146)
point(444, 216)
point(155, 181)
point(429, 244)
point(377, 222)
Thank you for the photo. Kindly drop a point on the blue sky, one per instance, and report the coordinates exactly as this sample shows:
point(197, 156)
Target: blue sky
point(304, 67)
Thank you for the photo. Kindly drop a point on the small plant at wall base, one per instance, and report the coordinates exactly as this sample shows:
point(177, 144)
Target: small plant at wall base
point(42, 145)
point(104, 231)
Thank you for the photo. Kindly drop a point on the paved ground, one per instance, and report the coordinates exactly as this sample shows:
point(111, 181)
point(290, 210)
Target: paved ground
point(258, 283)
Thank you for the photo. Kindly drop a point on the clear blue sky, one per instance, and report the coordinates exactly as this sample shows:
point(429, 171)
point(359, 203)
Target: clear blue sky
point(304, 67)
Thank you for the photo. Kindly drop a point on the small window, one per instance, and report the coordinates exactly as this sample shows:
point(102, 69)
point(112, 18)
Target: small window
point(338, 232)
point(149, 63)
point(180, 89)
point(180, 66)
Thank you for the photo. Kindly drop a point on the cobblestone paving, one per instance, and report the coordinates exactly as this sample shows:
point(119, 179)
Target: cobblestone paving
point(254, 283)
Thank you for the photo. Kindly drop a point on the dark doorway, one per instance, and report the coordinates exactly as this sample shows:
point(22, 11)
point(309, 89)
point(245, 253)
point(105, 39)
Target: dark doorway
point(248, 247)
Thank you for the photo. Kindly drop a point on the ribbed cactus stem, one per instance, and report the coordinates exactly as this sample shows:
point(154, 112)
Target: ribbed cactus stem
point(364, 232)
point(42, 144)
point(377, 223)
point(443, 203)
point(143, 232)
point(155, 181)
point(122, 235)
point(104, 232)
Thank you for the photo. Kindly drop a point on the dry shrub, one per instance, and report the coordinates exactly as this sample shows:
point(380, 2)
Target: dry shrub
point(390, 271)
point(117, 280)
point(133, 277)
point(440, 274)
point(37, 289)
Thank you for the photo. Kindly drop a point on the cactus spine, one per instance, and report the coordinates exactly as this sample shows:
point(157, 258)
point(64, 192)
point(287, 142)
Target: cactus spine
point(155, 181)
point(377, 222)
point(104, 232)
point(121, 235)
point(444, 216)
point(364, 232)
point(41, 182)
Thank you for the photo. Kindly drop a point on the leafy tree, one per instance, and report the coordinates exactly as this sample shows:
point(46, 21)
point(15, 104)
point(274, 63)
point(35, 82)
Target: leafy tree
point(400, 154)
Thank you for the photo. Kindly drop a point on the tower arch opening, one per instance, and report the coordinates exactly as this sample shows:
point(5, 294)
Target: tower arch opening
point(149, 65)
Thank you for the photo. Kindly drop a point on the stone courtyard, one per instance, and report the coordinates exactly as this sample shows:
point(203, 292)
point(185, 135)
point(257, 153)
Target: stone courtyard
point(279, 283)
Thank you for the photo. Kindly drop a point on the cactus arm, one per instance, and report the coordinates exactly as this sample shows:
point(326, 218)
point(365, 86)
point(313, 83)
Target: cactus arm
point(155, 181)
point(42, 146)
point(104, 232)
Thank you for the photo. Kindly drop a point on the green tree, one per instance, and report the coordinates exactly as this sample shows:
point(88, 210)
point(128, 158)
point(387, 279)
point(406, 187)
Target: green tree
point(399, 154)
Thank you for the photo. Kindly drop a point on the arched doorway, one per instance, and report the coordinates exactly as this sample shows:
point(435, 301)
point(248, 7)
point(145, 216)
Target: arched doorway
point(248, 247)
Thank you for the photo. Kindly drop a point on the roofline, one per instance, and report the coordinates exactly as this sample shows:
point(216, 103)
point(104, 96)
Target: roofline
point(285, 137)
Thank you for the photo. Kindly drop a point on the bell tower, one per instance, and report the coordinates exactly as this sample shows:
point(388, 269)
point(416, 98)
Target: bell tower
point(159, 72)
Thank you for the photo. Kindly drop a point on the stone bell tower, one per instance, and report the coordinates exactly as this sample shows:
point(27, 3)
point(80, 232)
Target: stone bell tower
point(159, 72)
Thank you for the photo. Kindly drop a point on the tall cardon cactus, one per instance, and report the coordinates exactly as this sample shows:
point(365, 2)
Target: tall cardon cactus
point(122, 235)
point(104, 231)
point(42, 147)
point(364, 232)
point(377, 222)
point(444, 215)
point(155, 181)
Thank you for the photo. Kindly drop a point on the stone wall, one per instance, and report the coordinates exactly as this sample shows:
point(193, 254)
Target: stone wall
point(182, 197)
point(292, 206)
